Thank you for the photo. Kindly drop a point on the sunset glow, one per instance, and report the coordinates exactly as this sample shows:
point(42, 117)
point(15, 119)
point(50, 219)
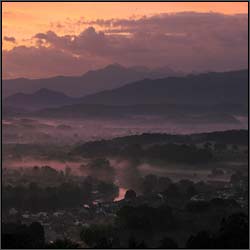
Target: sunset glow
point(22, 19)
point(125, 125)
point(34, 29)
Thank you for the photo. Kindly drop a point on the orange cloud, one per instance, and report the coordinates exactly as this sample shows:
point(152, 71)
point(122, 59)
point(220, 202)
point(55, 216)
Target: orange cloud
point(184, 41)
point(24, 19)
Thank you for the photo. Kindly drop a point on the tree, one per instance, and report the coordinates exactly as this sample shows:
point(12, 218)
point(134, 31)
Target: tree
point(198, 206)
point(168, 243)
point(146, 219)
point(21, 236)
point(37, 234)
point(236, 177)
point(202, 240)
point(130, 194)
point(133, 151)
point(67, 171)
point(149, 183)
point(101, 169)
point(133, 244)
point(191, 191)
point(163, 184)
point(217, 172)
point(103, 243)
point(233, 233)
point(99, 163)
point(235, 147)
point(220, 147)
point(97, 234)
point(173, 192)
point(207, 145)
point(63, 244)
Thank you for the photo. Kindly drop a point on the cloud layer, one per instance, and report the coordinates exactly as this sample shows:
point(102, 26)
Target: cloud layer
point(185, 41)
point(10, 39)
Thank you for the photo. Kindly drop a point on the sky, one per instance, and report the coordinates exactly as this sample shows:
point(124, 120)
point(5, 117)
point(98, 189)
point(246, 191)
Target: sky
point(43, 39)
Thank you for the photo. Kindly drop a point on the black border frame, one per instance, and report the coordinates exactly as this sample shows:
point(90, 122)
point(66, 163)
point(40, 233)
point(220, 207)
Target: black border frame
point(175, 1)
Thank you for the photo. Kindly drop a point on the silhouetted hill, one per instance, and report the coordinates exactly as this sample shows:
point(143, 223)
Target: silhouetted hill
point(171, 113)
point(9, 111)
point(209, 88)
point(145, 144)
point(205, 98)
point(41, 99)
point(112, 76)
point(239, 137)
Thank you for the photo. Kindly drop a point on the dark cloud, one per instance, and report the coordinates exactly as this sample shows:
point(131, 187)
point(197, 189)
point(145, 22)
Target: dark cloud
point(184, 41)
point(40, 62)
point(10, 39)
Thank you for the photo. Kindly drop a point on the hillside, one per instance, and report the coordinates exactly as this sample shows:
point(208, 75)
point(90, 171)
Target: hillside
point(109, 77)
point(42, 98)
point(209, 88)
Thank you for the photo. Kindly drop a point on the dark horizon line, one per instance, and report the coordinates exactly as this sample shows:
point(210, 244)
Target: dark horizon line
point(193, 72)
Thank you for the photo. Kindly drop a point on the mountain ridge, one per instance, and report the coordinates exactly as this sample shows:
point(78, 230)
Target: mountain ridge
point(224, 91)
point(38, 100)
point(202, 88)
point(93, 81)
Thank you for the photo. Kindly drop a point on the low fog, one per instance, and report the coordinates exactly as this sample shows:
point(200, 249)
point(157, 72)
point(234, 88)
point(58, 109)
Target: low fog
point(42, 131)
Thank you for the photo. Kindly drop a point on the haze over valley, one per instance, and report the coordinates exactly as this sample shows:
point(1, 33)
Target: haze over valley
point(99, 152)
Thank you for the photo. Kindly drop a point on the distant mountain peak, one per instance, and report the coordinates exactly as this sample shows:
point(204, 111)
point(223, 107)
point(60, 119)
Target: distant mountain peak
point(39, 99)
point(140, 68)
point(109, 77)
point(196, 89)
point(114, 66)
point(45, 91)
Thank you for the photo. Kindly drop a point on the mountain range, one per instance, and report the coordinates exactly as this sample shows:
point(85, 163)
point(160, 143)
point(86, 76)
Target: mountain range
point(109, 77)
point(174, 113)
point(208, 88)
point(209, 96)
point(43, 98)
